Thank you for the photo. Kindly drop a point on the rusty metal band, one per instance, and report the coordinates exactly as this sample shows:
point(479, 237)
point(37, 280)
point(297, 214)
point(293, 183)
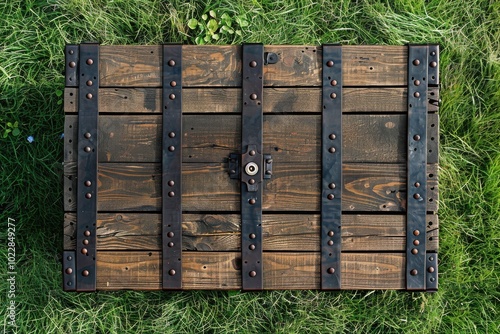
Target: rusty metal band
point(69, 271)
point(88, 102)
point(251, 166)
point(416, 210)
point(172, 168)
point(331, 156)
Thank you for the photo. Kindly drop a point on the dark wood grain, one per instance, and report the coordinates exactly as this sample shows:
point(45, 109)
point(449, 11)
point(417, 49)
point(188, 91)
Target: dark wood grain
point(222, 270)
point(207, 187)
point(211, 138)
point(228, 100)
point(221, 232)
point(139, 66)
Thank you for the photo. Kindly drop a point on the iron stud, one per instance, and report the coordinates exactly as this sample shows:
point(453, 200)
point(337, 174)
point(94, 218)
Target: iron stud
point(85, 273)
point(252, 273)
point(329, 63)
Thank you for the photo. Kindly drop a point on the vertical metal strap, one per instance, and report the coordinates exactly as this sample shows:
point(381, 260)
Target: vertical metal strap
point(69, 271)
point(71, 54)
point(88, 113)
point(252, 163)
point(172, 167)
point(417, 167)
point(331, 153)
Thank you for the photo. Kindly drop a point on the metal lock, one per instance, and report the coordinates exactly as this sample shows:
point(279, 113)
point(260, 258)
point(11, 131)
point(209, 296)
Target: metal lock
point(251, 169)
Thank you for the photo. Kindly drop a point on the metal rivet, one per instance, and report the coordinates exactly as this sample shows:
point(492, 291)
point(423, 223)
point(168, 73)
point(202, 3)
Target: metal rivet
point(330, 196)
point(329, 63)
point(431, 258)
point(432, 279)
point(171, 134)
point(84, 251)
point(88, 195)
point(173, 83)
point(171, 96)
point(87, 149)
point(251, 181)
point(417, 184)
point(333, 95)
point(268, 172)
point(416, 62)
point(330, 271)
point(430, 269)
point(90, 61)
point(416, 137)
point(85, 273)
point(253, 63)
point(72, 64)
point(87, 135)
point(416, 242)
point(416, 233)
point(331, 150)
point(253, 96)
point(85, 242)
point(333, 82)
point(417, 82)
point(332, 136)
point(269, 161)
point(69, 271)
point(414, 251)
point(170, 234)
point(170, 244)
point(331, 233)
point(171, 272)
point(71, 52)
point(171, 62)
point(252, 236)
point(433, 53)
point(251, 201)
point(171, 194)
point(252, 152)
point(330, 243)
point(87, 183)
point(70, 258)
point(86, 233)
point(433, 64)
point(89, 83)
point(414, 272)
point(416, 94)
point(416, 196)
point(251, 247)
point(252, 273)
point(89, 96)
point(171, 183)
point(332, 186)
point(171, 148)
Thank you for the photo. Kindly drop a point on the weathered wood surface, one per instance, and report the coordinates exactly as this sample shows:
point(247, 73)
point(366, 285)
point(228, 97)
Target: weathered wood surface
point(222, 270)
point(139, 66)
point(221, 232)
point(290, 138)
point(228, 100)
point(207, 187)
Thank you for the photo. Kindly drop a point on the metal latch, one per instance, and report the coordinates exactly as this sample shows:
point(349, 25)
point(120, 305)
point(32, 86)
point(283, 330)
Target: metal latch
point(249, 172)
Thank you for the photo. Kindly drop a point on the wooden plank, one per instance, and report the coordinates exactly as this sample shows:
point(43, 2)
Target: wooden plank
point(207, 187)
point(222, 270)
point(228, 100)
point(291, 138)
point(221, 232)
point(216, 66)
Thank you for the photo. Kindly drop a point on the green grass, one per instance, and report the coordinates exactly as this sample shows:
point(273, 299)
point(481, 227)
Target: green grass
point(32, 38)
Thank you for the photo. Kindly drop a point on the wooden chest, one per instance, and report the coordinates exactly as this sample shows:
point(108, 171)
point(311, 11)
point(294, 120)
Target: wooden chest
point(251, 167)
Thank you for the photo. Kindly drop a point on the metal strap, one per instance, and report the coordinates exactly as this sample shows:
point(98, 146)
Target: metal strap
point(69, 271)
point(432, 272)
point(87, 167)
point(331, 152)
point(251, 166)
point(172, 167)
point(72, 54)
point(417, 167)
